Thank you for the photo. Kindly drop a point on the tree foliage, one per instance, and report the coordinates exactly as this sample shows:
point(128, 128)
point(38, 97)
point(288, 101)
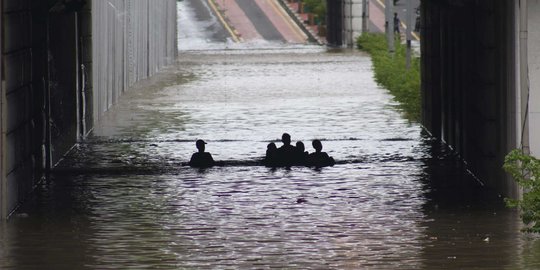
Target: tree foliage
point(317, 7)
point(525, 170)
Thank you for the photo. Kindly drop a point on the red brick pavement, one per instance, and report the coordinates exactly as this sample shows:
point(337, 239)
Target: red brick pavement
point(245, 29)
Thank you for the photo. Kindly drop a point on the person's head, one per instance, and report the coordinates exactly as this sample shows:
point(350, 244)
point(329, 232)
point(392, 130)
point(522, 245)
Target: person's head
point(286, 138)
point(395, 14)
point(300, 146)
point(200, 145)
point(271, 146)
point(317, 145)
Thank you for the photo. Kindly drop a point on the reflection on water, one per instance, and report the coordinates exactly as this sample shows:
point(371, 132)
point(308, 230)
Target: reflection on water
point(396, 198)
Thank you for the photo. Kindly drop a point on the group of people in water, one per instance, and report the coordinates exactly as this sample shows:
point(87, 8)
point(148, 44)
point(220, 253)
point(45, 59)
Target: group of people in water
point(285, 156)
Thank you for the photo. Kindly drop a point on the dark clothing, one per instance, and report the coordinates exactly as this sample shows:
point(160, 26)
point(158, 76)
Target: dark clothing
point(396, 25)
point(301, 158)
point(271, 158)
point(286, 155)
point(320, 159)
point(201, 160)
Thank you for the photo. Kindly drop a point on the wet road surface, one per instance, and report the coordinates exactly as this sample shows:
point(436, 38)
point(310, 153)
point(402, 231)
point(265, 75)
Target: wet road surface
point(396, 199)
point(263, 25)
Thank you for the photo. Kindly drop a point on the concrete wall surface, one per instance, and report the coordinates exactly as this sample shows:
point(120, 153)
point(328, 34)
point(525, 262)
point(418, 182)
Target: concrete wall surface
point(3, 182)
point(64, 63)
point(24, 76)
point(132, 40)
point(534, 75)
point(352, 21)
point(469, 82)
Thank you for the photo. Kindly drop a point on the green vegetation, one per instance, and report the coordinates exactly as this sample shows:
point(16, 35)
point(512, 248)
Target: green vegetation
point(525, 170)
point(391, 72)
point(317, 7)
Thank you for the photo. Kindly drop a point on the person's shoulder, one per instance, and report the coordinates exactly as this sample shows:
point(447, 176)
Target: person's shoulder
point(202, 160)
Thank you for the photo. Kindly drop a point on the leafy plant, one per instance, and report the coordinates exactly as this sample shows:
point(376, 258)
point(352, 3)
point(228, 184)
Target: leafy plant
point(525, 169)
point(391, 72)
point(317, 7)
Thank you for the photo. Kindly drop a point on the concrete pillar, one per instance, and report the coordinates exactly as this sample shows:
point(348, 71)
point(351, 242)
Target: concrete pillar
point(352, 21)
point(430, 67)
point(334, 22)
point(533, 97)
point(467, 77)
point(3, 174)
point(3, 180)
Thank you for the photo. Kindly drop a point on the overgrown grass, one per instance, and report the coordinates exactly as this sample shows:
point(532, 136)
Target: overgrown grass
point(391, 72)
point(525, 169)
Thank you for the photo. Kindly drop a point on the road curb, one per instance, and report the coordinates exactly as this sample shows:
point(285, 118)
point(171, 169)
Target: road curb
point(224, 21)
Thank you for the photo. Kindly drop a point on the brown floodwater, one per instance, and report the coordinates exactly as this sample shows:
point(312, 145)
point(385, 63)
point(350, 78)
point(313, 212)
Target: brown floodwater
point(396, 199)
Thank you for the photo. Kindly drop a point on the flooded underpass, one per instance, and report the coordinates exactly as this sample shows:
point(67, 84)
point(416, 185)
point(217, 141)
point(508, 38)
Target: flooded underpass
point(396, 199)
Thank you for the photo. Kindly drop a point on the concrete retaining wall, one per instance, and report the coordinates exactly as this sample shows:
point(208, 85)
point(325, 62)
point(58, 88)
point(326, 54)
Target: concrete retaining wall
point(23, 85)
point(534, 75)
point(468, 82)
point(132, 40)
point(65, 63)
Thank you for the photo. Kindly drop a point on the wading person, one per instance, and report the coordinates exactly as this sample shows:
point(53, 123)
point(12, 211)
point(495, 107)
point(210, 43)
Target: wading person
point(301, 154)
point(396, 26)
point(270, 159)
point(286, 153)
point(201, 159)
point(319, 158)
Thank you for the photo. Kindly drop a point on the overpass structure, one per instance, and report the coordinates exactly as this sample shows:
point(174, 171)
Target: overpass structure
point(66, 62)
point(63, 64)
point(481, 81)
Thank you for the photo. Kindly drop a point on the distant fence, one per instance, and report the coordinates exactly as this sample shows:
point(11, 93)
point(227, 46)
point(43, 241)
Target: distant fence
point(132, 40)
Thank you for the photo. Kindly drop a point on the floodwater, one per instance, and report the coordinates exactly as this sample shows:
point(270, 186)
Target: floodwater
point(396, 199)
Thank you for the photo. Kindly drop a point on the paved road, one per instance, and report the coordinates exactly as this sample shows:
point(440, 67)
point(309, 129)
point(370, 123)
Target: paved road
point(255, 20)
point(377, 13)
point(262, 23)
point(215, 30)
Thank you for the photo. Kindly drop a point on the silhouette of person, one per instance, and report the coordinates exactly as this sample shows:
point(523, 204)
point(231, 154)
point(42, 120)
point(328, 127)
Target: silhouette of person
point(287, 152)
point(271, 155)
point(319, 158)
point(301, 154)
point(396, 24)
point(201, 159)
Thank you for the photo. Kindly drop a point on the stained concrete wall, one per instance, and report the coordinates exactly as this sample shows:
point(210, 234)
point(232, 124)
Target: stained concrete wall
point(133, 39)
point(534, 75)
point(3, 181)
point(468, 82)
point(24, 65)
point(64, 63)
